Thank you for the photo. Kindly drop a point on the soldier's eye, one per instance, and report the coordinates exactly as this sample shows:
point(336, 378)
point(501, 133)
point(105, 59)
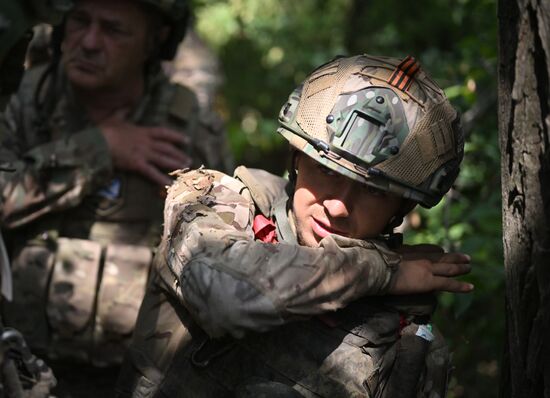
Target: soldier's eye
point(79, 19)
point(374, 191)
point(115, 29)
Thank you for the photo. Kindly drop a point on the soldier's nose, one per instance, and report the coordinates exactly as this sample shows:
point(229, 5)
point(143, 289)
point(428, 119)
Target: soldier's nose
point(339, 199)
point(336, 208)
point(91, 38)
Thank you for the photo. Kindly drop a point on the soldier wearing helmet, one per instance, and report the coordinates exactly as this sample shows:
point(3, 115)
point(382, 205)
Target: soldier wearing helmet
point(93, 136)
point(268, 287)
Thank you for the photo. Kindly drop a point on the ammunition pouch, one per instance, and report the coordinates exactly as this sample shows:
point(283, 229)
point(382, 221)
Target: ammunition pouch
point(77, 299)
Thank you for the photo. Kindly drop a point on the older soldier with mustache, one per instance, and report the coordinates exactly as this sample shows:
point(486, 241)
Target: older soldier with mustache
point(93, 136)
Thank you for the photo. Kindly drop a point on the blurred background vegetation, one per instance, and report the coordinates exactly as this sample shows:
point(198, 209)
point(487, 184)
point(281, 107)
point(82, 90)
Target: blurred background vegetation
point(266, 47)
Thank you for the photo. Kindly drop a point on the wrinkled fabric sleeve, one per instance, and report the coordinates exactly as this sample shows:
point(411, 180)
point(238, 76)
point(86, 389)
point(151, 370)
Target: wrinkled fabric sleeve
point(233, 284)
point(51, 176)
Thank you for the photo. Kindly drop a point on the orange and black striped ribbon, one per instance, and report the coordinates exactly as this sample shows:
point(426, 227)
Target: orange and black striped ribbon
point(403, 75)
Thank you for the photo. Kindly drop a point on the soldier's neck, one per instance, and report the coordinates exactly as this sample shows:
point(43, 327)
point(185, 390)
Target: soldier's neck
point(113, 102)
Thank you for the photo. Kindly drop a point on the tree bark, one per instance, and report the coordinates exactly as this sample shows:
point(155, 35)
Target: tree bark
point(524, 126)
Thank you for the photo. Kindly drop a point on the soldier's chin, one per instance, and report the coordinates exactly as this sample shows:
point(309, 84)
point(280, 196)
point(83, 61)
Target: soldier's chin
point(307, 238)
point(84, 79)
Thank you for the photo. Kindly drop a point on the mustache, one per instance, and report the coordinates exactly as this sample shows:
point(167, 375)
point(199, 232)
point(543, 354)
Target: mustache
point(91, 58)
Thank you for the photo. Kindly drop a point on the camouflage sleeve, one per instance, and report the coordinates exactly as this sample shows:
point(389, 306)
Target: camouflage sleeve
point(51, 176)
point(232, 284)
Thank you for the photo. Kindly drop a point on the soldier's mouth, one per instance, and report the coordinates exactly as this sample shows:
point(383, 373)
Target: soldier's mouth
point(321, 229)
point(85, 66)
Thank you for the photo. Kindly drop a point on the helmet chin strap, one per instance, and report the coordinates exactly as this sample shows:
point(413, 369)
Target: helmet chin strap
point(292, 167)
point(395, 239)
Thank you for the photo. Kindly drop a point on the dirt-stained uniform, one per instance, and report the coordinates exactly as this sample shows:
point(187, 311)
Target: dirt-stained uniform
point(237, 307)
point(82, 231)
point(229, 266)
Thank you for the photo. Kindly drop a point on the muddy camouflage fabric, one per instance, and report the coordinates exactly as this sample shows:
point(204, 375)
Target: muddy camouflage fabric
point(216, 318)
point(231, 283)
point(80, 231)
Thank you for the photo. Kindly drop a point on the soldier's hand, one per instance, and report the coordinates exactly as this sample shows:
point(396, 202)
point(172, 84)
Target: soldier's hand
point(416, 252)
point(151, 151)
point(427, 268)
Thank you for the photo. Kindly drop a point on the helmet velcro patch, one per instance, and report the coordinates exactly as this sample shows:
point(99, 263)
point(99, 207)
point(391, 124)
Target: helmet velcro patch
point(404, 73)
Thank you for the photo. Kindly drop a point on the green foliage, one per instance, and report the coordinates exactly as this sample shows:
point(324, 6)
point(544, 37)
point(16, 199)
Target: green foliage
point(266, 47)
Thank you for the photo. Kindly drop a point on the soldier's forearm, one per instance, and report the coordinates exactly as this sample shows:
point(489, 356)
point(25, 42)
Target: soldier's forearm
point(233, 286)
point(232, 283)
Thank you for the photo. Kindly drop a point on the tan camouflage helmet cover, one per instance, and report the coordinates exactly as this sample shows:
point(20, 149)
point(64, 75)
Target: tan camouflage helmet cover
point(380, 121)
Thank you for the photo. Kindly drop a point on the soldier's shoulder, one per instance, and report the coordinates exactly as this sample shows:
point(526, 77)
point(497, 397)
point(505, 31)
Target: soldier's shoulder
point(264, 186)
point(32, 76)
point(193, 183)
point(198, 192)
point(178, 100)
point(26, 93)
point(182, 101)
point(23, 102)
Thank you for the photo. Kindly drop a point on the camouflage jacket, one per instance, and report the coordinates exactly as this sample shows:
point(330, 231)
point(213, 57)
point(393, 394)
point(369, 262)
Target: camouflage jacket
point(215, 286)
point(62, 159)
point(73, 221)
point(232, 283)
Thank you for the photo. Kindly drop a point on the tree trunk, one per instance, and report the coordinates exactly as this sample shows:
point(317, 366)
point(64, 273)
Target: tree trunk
point(524, 125)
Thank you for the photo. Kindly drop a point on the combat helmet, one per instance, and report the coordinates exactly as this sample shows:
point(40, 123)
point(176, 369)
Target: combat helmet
point(176, 14)
point(380, 121)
